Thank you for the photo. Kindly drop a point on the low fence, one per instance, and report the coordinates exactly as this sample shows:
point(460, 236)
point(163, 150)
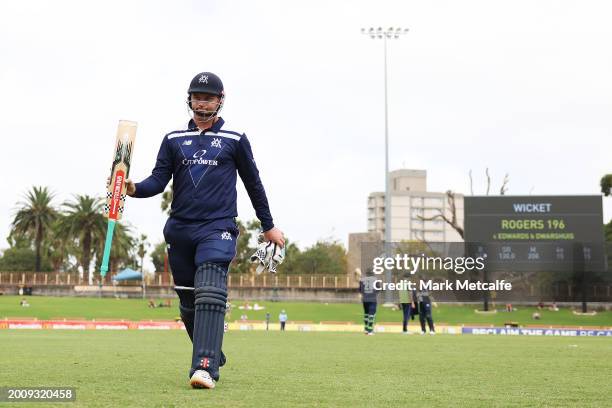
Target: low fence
point(292, 281)
point(320, 287)
point(32, 279)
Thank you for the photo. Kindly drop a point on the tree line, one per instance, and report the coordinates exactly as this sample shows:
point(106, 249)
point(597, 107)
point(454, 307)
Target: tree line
point(325, 256)
point(69, 237)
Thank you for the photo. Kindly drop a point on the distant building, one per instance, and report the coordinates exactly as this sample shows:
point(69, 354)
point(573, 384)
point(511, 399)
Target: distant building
point(409, 201)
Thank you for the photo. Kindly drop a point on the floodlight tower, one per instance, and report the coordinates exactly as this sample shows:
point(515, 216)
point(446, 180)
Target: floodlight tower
point(391, 33)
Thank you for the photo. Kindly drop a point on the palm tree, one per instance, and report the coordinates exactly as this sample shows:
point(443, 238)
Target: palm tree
point(34, 218)
point(85, 223)
point(142, 245)
point(57, 244)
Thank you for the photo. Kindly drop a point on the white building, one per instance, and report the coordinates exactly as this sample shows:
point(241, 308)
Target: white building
point(410, 201)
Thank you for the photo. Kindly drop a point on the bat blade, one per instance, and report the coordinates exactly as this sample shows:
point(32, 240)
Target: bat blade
point(120, 169)
point(117, 189)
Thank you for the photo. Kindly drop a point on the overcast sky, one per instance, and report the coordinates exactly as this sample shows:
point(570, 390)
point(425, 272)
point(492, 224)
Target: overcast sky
point(523, 87)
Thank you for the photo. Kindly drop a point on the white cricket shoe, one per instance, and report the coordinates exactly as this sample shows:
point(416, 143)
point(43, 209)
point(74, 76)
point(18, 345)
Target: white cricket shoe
point(433, 333)
point(201, 379)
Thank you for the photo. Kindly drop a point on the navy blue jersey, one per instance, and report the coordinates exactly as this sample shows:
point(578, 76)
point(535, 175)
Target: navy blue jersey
point(367, 290)
point(203, 167)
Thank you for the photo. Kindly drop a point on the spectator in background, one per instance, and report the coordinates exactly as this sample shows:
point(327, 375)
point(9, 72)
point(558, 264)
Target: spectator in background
point(282, 318)
point(369, 298)
point(267, 320)
point(166, 303)
point(406, 304)
point(424, 302)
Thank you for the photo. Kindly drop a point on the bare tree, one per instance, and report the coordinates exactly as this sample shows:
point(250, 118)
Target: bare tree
point(504, 186)
point(452, 220)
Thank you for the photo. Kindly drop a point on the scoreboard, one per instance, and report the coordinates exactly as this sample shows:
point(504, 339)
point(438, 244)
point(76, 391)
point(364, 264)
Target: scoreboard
point(536, 233)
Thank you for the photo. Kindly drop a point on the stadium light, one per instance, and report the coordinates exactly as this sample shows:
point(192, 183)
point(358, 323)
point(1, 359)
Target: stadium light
point(390, 33)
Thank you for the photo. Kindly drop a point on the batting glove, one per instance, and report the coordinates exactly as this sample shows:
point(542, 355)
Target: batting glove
point(268, 256)
point(262, 256)
point(278, 256)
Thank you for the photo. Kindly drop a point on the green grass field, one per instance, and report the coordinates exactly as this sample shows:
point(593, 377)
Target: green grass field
point(269, 369)
point(136, 309)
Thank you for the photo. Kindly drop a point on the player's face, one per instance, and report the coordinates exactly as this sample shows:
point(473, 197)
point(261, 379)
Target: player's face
point(203, 102)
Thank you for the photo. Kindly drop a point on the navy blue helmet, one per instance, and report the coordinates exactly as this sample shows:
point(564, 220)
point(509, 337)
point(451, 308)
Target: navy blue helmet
point(206, 82)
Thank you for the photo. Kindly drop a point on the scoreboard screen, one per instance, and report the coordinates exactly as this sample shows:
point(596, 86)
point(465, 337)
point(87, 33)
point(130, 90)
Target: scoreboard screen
point(531, 233)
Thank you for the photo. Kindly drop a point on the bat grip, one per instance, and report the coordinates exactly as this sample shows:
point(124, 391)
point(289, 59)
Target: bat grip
point(107, 247)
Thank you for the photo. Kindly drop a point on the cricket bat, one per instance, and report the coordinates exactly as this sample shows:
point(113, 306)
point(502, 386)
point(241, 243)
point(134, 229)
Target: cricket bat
point(116, 193)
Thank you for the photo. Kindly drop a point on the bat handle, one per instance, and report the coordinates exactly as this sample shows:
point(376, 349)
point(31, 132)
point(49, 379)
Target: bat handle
point(107, 247)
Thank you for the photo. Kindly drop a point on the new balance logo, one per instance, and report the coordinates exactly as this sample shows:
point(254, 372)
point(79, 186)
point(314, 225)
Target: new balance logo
point(187, 143)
